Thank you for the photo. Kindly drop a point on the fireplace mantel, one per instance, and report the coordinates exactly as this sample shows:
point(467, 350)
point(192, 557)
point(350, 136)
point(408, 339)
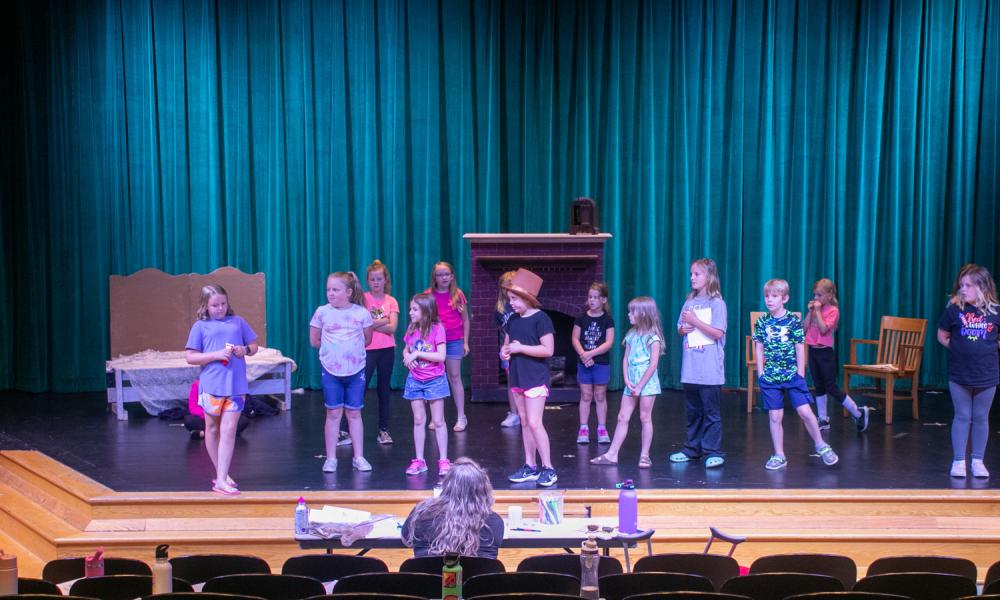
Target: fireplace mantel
point(537, 238)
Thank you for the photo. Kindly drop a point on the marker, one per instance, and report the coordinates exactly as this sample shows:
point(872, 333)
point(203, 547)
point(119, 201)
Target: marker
point(525, 529)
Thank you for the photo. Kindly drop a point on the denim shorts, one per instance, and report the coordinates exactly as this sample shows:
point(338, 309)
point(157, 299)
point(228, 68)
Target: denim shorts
point(216, 405)
point(597, 374)
point(347, 391)
point(774, 396)
point(455, 349)
point(432, 389)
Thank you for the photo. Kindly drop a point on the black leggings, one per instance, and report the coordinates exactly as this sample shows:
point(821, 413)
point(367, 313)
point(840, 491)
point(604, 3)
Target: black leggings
point(382, 361)
point(823, 368)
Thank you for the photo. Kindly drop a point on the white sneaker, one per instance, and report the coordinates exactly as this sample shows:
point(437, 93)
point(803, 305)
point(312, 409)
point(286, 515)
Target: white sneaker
point(359, 463)
point(958, 468)
point(978, 468)
point(511, 420)
point(330, 465)
point(343, 438)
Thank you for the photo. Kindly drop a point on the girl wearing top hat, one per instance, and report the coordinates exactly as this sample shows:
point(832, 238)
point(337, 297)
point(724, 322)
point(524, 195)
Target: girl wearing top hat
point(528, 343)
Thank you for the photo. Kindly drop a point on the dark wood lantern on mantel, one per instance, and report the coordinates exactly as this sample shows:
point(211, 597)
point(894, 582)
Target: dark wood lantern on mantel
point(583, 217)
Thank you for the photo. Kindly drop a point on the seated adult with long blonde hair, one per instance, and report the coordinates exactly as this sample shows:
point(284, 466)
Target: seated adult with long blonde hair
point(461, 520)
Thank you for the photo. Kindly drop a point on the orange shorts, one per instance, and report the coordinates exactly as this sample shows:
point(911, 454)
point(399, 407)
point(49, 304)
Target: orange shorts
point(216, 405)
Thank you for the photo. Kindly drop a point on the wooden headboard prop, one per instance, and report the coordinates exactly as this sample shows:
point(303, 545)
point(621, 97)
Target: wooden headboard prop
point(151, 310)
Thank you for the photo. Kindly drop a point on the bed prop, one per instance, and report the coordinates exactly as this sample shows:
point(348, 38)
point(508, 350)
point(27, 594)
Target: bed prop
point(151, 316)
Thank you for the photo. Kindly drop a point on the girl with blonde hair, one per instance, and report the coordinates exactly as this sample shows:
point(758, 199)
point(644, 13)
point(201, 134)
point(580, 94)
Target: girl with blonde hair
point(643, 346)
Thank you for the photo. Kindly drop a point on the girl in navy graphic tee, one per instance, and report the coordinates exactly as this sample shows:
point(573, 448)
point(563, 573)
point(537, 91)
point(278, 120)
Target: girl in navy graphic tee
point(968, 329)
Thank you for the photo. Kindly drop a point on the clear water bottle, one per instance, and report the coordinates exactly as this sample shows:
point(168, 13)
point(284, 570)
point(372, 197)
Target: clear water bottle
point(628, 507)
point(301, 517)
point(589, 562)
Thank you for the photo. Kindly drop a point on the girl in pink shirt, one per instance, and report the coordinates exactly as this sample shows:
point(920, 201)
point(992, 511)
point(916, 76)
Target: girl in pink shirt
point(820, 323)
point(424, 355)
point(453, 311)
point(380, 354)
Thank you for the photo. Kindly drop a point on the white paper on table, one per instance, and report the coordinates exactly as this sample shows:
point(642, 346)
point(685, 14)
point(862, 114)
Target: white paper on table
point(697, 339)
point(338, 514)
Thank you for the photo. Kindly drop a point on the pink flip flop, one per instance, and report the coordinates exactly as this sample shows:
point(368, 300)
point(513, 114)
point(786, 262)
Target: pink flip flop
point(225, 491)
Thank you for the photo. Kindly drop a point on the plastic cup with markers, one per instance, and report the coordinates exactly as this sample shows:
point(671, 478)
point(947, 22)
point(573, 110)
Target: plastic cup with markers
point(550, 508)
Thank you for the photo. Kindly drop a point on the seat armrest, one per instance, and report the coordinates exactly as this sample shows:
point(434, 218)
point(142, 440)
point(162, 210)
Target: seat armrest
point(854, 348)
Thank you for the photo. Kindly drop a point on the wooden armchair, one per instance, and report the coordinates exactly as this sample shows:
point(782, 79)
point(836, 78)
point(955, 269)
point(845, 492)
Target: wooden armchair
point(900, 348)
point(751, 356)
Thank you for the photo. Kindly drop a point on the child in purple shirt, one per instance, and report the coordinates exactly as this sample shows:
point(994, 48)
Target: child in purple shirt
point(219, 342)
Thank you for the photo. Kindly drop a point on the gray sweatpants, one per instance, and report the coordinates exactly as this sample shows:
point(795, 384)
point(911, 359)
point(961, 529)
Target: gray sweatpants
point(972, 412)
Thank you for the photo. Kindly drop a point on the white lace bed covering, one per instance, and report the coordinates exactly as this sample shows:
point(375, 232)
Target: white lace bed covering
point(162, 379)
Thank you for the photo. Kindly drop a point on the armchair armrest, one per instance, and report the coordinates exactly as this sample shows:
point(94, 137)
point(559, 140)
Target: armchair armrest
point(854, 348)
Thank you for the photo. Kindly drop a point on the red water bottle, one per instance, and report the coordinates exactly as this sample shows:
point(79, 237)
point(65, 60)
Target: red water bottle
point(628, 507)
point(93, 566)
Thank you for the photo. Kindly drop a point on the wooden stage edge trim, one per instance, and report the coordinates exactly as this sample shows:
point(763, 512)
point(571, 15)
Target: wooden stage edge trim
point(84, 488)
point(48, 510)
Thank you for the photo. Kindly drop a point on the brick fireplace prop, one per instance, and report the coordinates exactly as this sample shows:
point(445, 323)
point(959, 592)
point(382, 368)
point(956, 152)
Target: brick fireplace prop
point(568, 264)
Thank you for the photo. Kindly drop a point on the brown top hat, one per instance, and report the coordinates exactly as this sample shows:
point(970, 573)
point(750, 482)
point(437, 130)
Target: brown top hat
point(525, 283)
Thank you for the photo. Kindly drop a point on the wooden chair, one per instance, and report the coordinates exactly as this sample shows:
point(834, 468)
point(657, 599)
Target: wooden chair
point(900, 348)
point(751, 356)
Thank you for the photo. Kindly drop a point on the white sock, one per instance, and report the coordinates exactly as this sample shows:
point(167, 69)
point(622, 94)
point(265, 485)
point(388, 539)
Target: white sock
point(851, 406)
point(821, 407)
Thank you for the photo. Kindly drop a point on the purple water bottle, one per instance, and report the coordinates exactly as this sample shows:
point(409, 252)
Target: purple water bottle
point(628, 507)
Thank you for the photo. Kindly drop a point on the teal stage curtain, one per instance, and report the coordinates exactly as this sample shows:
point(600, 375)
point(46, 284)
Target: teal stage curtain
point(852, 140)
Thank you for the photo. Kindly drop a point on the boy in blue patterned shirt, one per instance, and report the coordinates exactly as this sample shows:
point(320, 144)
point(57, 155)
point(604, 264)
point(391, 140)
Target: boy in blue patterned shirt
point(779, 343)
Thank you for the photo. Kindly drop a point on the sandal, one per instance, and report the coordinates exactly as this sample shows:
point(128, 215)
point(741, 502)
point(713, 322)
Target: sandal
point(225, 490)
point(229, 482)
point(714, 461)
point(603, 460)
point(645, 463)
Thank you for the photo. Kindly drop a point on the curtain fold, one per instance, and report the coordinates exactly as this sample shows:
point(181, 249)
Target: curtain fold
point(852, 140)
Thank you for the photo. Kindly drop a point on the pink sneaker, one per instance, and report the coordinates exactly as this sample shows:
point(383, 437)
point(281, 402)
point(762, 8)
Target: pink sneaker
point(444, 465)
point(417, 466)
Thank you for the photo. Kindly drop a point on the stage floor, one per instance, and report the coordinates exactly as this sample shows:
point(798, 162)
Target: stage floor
point(285, 452)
